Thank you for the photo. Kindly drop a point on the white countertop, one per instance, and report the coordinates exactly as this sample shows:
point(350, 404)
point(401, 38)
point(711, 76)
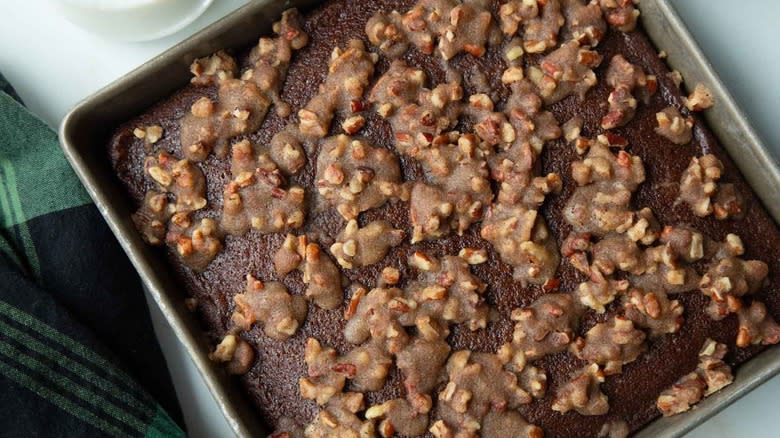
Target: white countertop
point(54, 64)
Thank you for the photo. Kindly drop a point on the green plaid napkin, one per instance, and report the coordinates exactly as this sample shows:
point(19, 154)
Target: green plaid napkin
point(78, 356)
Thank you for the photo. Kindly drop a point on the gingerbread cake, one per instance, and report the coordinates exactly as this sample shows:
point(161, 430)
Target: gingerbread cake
point(456, 219)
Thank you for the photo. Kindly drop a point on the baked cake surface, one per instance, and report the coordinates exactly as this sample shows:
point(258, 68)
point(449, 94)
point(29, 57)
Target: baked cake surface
point(586, 256)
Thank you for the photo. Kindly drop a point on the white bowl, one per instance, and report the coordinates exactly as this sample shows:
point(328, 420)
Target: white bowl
point(132, 20)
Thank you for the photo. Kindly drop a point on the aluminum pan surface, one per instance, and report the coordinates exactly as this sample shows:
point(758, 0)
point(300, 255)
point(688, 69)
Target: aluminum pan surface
point(84, 130)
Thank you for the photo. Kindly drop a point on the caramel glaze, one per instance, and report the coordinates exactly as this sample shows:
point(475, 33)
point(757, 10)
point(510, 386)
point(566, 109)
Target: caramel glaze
point(272, 382)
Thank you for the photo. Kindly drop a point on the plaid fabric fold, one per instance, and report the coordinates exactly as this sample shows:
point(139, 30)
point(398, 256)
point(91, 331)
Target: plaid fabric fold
point(78, 355)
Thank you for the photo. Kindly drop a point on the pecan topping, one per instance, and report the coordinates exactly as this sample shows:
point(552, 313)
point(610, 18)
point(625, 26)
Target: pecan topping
point(601, 204)
point(700, 98)
point(513, 13)
point(673, 126)
point(620, 14)
point(477, 384)
point(212, 69)
point(611, 344)
point(506, 424)
point(566, 71)
point(698, 185)
point(271, 305)
point(259, 196)
point(448, 291)
point(614, 429)
point(339, 418)
point(458, 27)
point(685, 393)
point(242, 103)
point(197, 245)
point(728, 279)
point(599, 291)
point(583, 393)
point(181, 178)
point(354, 176)
point(710, 375)
point(349, 73)
point(457, 191)
point(356, 247)
point(398, 417)
point(547, 326)
point(624, 78)
point(152, 217)
point(756, 326)
point(236, 352)
point(584, 22)
point(322, 278)
point(653, 311)
point(541, 32)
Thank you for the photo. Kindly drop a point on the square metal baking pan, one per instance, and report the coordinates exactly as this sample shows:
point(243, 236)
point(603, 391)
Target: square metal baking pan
point(85, 130)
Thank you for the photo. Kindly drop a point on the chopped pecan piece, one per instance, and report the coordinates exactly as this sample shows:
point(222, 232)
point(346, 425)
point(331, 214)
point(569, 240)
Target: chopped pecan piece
point(151, 218)
point(583, 393)
point(398, 417)
point(271, 305)
point(181, 178)
point(673, 126)
point(756, 326)
point(611, 344)
point(339, 419)
point(541, 32)
point(547, 326)
point(700, 98)
point(197, 245)
point(699, 183)
point(620, 14)
point(584, 22)
point(624, 78)
point(477, 383)
point(614, 429)
point(685, 393)
point(349, 73)
point(653, 311)
point(566, 71)
point(354, 176)
point(322, 278)
point(357, 247)
point(447, 292)
point(599, 291)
